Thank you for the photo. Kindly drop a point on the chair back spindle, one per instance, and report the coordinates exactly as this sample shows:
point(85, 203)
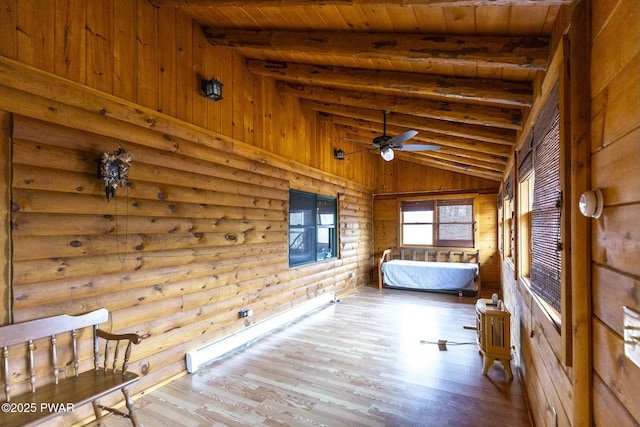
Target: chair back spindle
point(112, 355)
point(32, 367)
point(7, 384)
point(115, 357)
point(96, 349)
point(54, 359)
point(107, 351)
point(127, 354)
point(76, 362)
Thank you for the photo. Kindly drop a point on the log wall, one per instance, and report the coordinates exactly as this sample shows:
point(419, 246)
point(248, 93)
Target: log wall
point(202, 231)
point(200, 234)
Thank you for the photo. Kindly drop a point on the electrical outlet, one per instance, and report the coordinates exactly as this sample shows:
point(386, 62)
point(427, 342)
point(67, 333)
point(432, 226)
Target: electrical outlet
point(246, 313)
point(632, 335)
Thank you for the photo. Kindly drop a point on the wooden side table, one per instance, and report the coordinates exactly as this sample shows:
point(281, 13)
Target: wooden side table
point(494, 334)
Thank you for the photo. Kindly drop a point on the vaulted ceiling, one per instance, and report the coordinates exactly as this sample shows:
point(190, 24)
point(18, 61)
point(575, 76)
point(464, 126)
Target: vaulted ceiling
point(460, 72)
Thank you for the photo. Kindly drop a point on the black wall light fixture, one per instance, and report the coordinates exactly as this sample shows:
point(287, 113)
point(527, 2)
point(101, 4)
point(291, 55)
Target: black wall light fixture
point(212, 89)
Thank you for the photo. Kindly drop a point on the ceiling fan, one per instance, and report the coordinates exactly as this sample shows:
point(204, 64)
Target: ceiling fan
point(387, 144)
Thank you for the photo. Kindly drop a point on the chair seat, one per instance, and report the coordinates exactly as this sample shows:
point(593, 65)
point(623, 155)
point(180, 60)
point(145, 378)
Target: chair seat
point(51, 399)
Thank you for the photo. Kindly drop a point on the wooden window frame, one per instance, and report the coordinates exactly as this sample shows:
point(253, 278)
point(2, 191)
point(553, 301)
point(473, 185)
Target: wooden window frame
point(525, 239)
point(435, 203)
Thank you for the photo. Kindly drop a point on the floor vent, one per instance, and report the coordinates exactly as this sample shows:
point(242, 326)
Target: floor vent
point(219, 348)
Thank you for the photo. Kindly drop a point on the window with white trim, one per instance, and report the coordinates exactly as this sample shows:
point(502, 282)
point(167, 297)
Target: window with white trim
point(446, 222)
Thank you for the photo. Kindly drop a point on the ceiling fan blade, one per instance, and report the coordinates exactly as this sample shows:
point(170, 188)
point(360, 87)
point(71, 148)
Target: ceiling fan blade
point(417, 147)
point(399, 139)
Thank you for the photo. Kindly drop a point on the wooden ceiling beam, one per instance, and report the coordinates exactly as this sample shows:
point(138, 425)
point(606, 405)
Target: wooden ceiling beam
point(447, 155)
point(460, 150)
point(460, 130)
point(504, 52)
point(440, 155)
point(454, 112)
point(450, 166)
point(476, 91)
point(295, 3)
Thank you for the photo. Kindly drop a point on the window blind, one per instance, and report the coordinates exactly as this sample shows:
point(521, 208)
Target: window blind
point(415, 206)
point(546, 263)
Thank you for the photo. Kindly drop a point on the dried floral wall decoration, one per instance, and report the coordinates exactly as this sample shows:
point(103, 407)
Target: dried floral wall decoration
point(114, 170)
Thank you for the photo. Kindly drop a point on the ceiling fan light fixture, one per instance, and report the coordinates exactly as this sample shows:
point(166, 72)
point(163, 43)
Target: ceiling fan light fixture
point(387, 154)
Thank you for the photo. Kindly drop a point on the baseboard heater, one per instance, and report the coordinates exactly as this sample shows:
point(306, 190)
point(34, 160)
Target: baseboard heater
point(216, 349)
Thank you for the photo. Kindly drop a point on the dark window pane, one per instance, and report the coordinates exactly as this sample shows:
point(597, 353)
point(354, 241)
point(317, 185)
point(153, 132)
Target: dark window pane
point(312, 228)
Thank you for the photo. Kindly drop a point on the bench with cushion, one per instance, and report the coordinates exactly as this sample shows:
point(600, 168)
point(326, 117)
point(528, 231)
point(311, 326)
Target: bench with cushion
point(63, 389)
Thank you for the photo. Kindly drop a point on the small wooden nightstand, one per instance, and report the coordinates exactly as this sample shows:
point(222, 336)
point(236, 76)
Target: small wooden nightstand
point(494, 334)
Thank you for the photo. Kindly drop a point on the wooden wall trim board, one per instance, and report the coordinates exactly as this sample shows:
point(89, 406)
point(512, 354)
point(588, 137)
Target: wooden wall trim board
point(577, 299)
point(5, 217)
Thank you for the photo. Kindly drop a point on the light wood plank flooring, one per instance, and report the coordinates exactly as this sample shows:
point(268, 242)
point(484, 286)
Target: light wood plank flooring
point(368, 360)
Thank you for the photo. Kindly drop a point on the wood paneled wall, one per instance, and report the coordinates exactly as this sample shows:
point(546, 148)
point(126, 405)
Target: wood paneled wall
point(538, 350)
point(156, 58)
point(398, 179)
point(202, 231)
point(405, 177)
point(601, 384)
point(615, 150)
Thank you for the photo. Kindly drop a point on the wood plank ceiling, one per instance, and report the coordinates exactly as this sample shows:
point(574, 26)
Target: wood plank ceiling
point(459, 72)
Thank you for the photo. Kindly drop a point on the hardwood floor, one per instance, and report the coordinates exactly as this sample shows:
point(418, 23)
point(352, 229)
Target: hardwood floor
point(371, 359)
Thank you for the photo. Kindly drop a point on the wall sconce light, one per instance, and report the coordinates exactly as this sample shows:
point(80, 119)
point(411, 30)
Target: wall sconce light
point(387, 154)
point(114, 171)
point(338, 154)
point(212, 89)
point(591, 203)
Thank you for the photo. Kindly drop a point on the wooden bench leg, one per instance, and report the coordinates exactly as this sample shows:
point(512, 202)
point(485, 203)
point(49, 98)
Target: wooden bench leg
point(132, 410)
